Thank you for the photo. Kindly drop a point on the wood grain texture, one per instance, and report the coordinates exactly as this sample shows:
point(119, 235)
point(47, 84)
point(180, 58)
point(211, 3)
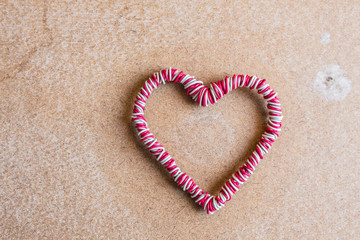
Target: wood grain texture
point(71, 166)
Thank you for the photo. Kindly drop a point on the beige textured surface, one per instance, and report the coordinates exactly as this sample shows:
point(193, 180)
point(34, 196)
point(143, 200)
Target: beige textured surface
point(70, 166)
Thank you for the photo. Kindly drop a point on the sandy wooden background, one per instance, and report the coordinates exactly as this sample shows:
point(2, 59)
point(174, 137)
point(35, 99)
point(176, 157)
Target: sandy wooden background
point(71, 167)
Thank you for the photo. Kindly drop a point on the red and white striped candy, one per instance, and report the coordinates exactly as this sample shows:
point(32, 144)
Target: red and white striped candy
point(204, 96)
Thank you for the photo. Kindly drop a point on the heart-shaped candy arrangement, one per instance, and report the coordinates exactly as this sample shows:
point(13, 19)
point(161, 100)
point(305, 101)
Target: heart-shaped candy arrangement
point(204, 96)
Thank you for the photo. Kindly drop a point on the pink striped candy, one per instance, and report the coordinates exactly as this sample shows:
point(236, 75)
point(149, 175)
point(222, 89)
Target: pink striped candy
point(204, 96)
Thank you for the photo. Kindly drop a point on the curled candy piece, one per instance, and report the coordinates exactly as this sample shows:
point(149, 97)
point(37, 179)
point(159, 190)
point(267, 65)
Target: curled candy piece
point(205, 96)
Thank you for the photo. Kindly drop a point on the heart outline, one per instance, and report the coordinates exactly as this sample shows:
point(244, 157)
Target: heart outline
point(204, 96)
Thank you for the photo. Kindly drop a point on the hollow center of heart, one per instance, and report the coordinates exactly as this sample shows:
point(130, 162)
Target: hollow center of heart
point(209, 143)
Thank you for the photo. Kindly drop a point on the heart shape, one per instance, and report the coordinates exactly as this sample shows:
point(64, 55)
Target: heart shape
point(204, 96)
